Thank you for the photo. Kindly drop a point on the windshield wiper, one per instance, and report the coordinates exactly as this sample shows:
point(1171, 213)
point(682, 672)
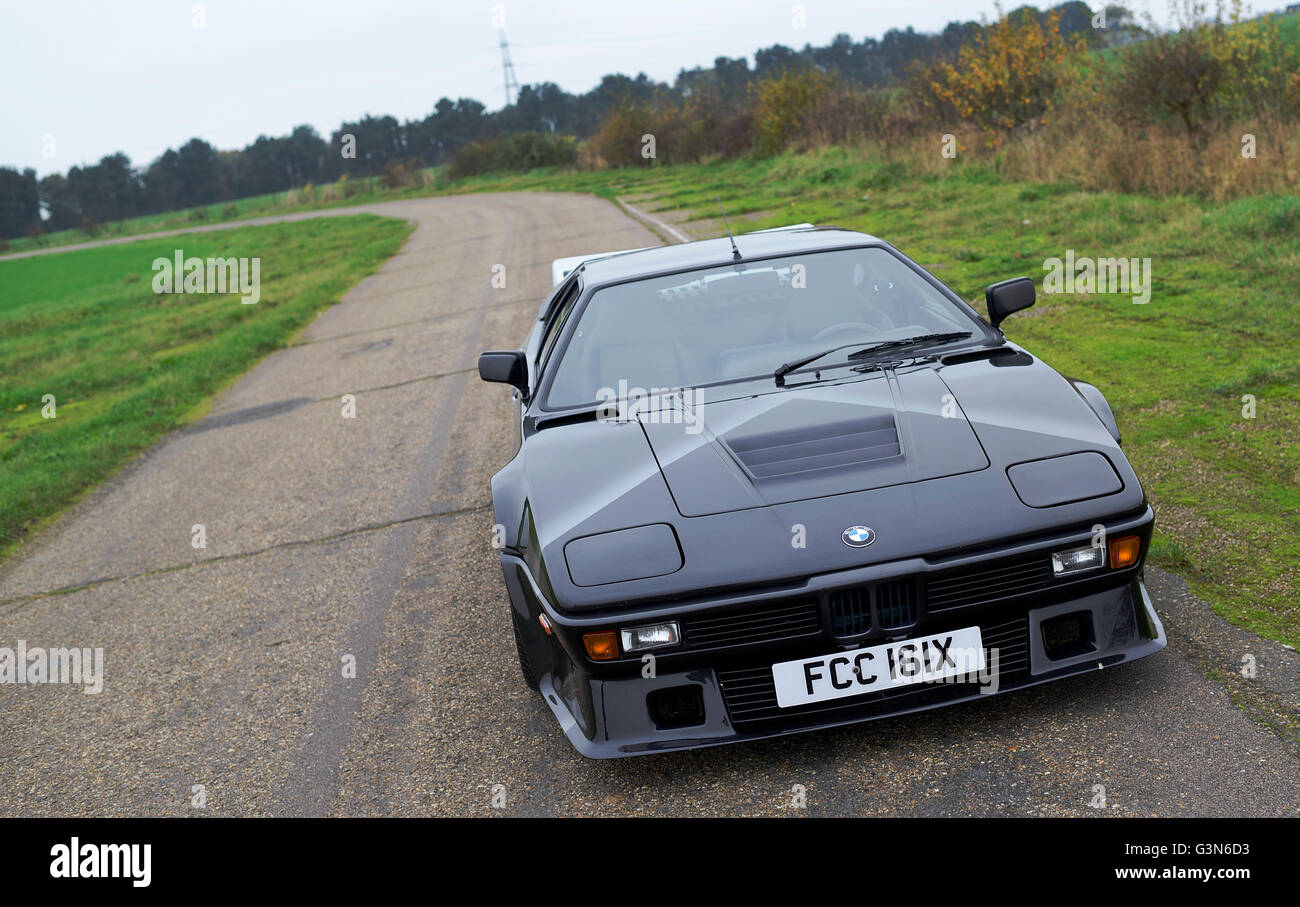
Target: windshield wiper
point(789, 367)
point(927, 339)
point(867, 351)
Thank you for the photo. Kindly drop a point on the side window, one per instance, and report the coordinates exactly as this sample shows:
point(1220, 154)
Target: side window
point(555, 324)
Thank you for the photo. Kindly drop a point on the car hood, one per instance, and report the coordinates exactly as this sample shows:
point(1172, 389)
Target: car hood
point(933, 457)
point(887, 428)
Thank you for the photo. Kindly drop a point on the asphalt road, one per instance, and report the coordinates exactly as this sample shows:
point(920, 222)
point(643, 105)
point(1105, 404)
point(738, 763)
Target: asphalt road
point(370, 537)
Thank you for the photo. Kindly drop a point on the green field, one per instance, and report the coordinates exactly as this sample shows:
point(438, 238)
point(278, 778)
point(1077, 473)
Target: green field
point(345, 193)
point(126, 365)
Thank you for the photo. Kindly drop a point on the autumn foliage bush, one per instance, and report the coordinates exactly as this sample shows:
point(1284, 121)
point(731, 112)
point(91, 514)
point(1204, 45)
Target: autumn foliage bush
point(1169, 112)
point(1005, 79)
point(1207, 109)
point(786, 107)
point(669, 131)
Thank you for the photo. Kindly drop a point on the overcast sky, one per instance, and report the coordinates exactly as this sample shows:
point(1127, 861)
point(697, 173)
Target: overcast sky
point(138, 76)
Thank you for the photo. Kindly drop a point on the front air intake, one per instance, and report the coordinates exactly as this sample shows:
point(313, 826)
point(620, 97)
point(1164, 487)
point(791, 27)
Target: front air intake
point(850, 611)
point(896, 604)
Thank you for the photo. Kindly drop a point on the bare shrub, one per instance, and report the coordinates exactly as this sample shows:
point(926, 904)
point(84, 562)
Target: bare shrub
point(784, 109)
point(1175, 75)
point(395, 175)
point(519, 152)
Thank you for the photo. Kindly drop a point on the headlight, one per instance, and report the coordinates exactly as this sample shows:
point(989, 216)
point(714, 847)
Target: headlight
point(623, 555)
point(1077, 560)
point(652, 636)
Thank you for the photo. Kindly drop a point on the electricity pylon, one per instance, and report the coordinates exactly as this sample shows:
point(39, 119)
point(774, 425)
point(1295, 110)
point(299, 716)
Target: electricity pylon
point(508, 67)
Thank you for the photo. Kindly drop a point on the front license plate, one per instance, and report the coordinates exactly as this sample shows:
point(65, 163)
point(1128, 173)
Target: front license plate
point(895, 664)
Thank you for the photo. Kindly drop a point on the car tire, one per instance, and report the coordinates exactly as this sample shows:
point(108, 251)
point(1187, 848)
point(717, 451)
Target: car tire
point(525, 665)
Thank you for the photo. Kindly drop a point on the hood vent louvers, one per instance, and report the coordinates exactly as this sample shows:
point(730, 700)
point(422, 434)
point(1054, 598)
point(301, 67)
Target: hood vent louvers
point(836, 445)
point(798, 444)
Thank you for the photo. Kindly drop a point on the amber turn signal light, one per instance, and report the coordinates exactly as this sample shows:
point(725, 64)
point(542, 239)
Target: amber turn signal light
point(601, 645)
point(1124, 552)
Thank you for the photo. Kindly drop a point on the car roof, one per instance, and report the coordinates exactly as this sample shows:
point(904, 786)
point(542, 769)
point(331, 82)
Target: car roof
point(711, 253)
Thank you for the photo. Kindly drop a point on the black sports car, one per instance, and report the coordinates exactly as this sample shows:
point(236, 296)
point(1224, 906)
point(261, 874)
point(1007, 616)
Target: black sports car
point(791, 480)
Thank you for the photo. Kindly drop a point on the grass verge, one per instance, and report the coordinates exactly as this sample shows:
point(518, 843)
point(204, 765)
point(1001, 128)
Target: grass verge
point(125, 365)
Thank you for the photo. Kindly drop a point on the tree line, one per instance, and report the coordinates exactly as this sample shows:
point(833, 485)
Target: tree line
point(196, 173)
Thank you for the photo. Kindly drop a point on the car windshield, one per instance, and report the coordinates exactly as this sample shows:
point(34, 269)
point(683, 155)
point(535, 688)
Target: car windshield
point(745, 320)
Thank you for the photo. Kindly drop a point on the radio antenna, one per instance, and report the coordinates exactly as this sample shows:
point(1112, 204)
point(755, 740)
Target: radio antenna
point(735, 253)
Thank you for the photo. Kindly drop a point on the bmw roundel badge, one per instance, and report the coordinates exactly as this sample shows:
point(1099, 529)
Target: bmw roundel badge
point(858, 536)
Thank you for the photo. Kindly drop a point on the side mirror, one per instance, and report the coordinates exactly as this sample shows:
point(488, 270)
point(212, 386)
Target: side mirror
point(506, 366)
point(1009, 296)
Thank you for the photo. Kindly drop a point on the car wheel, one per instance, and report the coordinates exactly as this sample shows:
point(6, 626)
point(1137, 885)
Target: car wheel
point(525, 666)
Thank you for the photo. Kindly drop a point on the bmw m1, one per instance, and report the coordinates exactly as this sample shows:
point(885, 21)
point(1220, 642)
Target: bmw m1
point(788, 480)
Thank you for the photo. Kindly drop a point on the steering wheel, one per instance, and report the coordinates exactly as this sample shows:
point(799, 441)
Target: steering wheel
point(843, 326)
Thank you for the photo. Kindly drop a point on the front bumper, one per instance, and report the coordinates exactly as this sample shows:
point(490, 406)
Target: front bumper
point(611, 709)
